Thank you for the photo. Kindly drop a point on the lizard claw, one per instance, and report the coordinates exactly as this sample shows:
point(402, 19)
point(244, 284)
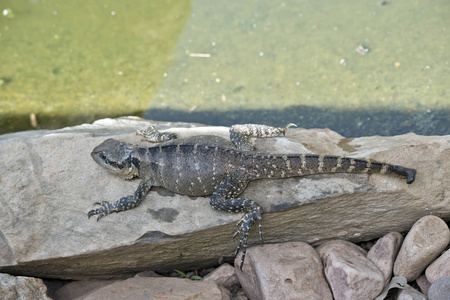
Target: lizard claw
point(290, 125)
point(105, 208)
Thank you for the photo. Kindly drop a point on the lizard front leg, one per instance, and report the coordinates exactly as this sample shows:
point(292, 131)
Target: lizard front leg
point(152, 135)
point(223, 199)
point(240, 134)
point(124, 203)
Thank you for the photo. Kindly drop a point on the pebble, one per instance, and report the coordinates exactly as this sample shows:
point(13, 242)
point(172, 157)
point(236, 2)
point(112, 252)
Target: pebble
point(426, 240)
point(21, 287)
point(224, 275)
point(350, 274)
point(283, 271)
point(384, 252)
point(440, 289)
point(439, 268)
point(423, 283)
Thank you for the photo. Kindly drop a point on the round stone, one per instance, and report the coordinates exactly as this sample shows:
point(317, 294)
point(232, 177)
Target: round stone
point(440, 289)
point(426, 240)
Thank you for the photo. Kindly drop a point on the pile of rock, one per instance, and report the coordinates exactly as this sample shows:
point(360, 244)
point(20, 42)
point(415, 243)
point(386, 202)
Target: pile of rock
point(347, 271)
point(337, 269)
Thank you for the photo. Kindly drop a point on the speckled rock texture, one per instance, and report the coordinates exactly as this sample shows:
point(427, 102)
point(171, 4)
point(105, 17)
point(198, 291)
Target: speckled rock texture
point(20, 287)
point(48, 183)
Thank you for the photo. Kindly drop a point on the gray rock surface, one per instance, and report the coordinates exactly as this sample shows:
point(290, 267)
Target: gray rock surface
point(406, 292)
point(411, 294)
point(20, 287)
point(439, 268)
point(283, 271)
point(384, 252)
point(440, 289)
point(48, 183)
point(350, 274)
point(426, 240)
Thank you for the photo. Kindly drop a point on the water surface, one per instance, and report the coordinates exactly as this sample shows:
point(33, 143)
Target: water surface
point(357, 67)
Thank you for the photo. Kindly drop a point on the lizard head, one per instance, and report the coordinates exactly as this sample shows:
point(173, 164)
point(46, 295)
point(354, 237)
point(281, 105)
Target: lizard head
point(115, 156)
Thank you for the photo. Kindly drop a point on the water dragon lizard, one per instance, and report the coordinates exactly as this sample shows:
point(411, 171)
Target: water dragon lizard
point(211, 165)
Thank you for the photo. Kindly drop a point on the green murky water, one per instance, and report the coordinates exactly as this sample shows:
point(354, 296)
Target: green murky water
point(70, 62)
point(224, 62)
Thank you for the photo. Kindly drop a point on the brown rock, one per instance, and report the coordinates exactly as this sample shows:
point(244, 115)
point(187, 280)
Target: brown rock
point(78, 289)
point(439, 268)
point(283, 271)
point(423, 283)
point(20, 287)
point(224, 275)
point(158, 288)
point(426, 240)
point(348, 271)
point(384, 252)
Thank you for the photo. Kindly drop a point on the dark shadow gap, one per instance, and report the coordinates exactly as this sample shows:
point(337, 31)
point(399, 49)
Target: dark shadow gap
point(349, 123)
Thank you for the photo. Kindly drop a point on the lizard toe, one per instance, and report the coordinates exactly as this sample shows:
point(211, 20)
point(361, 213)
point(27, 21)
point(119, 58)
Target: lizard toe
point(105, 209)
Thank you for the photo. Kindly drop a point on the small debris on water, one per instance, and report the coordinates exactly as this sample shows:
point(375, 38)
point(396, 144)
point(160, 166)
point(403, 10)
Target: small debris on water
point(8, 13)
point(362, 50)
point(201, 55)
point(33, 120)
point(397, 64)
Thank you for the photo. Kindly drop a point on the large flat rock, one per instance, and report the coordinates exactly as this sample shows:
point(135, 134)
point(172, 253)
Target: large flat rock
point(48, 183)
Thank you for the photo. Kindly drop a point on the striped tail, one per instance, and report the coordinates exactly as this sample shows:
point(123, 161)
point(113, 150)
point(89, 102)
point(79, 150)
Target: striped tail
point(291, 165)
point(354, 165)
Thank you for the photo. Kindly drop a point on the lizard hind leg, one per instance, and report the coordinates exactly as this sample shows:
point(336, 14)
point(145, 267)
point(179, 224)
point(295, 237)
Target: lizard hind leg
point(245, 224)
point(240, 134)
point(223, 199)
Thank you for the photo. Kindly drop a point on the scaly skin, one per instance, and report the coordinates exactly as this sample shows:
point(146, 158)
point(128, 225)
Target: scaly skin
point(210, 165)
